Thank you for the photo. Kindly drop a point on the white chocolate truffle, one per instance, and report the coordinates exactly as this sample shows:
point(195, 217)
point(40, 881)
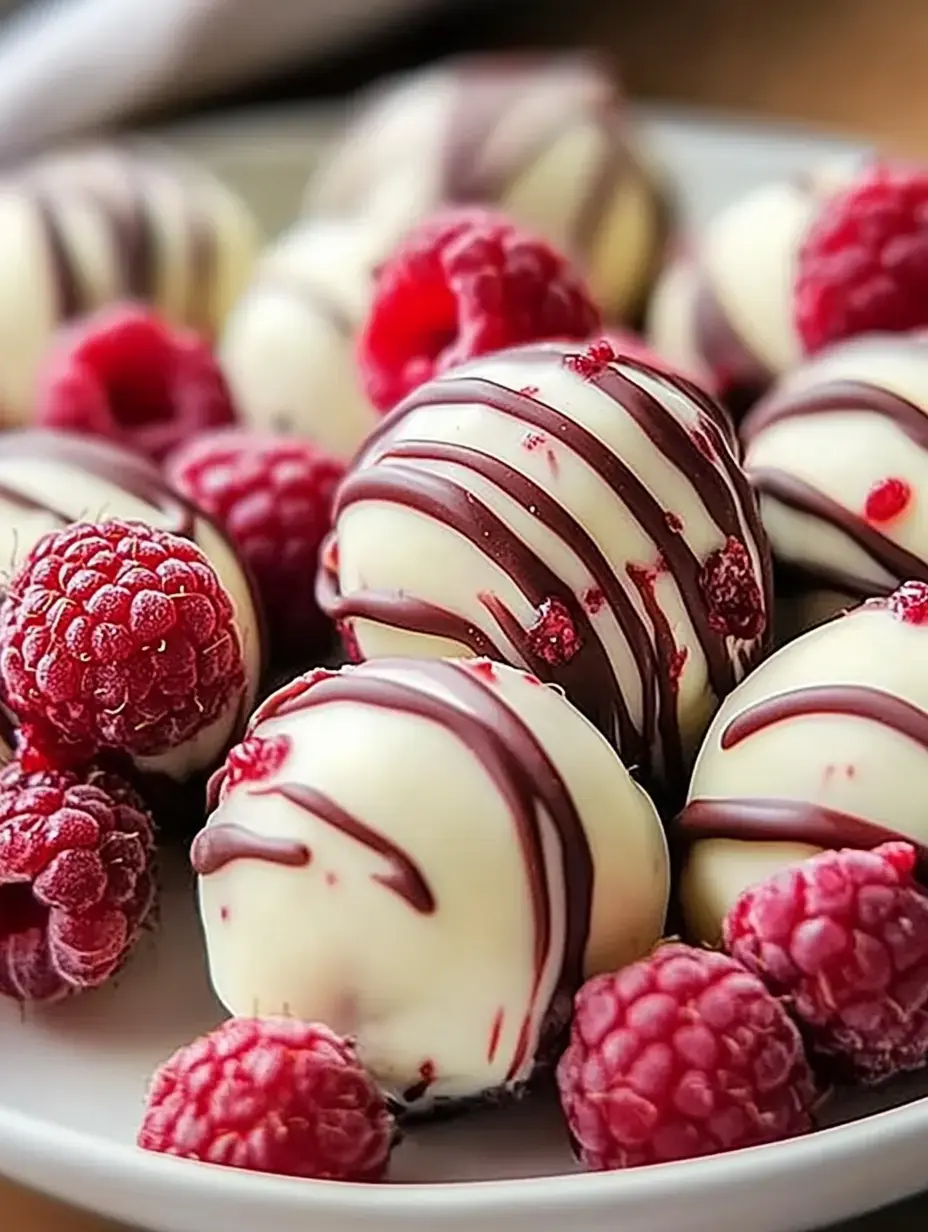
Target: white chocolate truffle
point(82, 229)
point(429, 856)
point(544, 138)
point(824, 745)
point(585, 519)
point(724, 306)
point(48, 480)
point(288, 350)
point(838, 454)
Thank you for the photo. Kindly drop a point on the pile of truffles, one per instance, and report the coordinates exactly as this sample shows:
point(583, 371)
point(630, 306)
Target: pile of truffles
point(632, 626)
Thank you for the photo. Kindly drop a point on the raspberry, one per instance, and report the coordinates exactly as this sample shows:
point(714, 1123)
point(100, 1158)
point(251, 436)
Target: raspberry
point(732, 592)
point(273, 495)
point(125, 374)
point(76, 880)
point(682, 1054)
point(863, 265)
point(887, 500)
point(844, 938)
point(463, 283)
point(271, 1095)
point(116, 636)
point(553, 636)
point(909, 603)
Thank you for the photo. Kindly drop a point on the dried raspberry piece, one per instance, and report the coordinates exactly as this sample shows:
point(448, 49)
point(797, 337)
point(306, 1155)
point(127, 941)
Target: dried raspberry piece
point(465, 282)
point(909, 603)
point(887, 500)
point(553, 636)
point(271, 1095)
point(863, 265)
point(843, 937)
point(76, 880)
point(732, 592)
point(114, 635)
point(273, 495)
point(680, 1055)
point(126, 375)
point(621, 346)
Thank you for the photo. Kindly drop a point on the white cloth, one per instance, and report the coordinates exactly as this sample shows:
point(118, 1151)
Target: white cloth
point(67, 66)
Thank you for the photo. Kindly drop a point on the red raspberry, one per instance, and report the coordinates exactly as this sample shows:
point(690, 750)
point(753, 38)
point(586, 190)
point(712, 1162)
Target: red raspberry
point(863, 265)
point(844, 938)
point(271, 1095)
point(76, 881)
point(273, 495)
point(732, 592)
point(682, 1054)
point(125, 374)
point(463, 283)
point(909, 603)
point(116, 636)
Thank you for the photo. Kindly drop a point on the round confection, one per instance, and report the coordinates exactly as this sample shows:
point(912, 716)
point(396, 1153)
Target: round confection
point(545, 139)
point(582, 518)
point(723, 306)
point(288, 349)
point(838, 454)
point(82, 229)
point(430, 857)
point(48, 480)
point(823, 746)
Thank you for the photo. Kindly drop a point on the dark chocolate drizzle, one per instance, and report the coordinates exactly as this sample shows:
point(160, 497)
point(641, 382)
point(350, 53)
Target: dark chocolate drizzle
point(800, 821)
point(742, 375)
point(523, 773)
point(835, 397)
point(218, 845)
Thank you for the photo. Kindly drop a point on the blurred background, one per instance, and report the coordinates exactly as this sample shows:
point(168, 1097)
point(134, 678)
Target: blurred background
point(847, 65)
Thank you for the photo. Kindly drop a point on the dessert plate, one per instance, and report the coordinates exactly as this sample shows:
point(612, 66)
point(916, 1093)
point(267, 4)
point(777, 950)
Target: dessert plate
point(72, 1079)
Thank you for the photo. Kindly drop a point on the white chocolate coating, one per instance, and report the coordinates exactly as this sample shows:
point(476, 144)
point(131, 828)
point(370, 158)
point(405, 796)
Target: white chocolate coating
point(48, 480)
point(288, 349)
point(543, 138)
point(853, 762)
point(725, 305)
point(516, 481)
point(79, 230)
point(447, 992)
point(843, 452)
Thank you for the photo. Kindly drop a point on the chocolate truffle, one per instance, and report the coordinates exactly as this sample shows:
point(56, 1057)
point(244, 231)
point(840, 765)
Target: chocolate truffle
point(49, 479)
point(288, 349)
point(81, 229)
point(583, 518)
point(838, 454)
point(823, 746)
point(723, 307)
point(428, 856)
point(546, 139)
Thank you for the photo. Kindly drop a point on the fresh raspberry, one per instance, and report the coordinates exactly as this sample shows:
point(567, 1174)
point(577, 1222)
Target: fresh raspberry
point(732, 592)
point(863, 265)
point(271, 1095)
point(844, 938)
point(116, 636)
point(273, 495)
point(682, 1054)
point(125, 374)
point(463, 283)
point(76, 879)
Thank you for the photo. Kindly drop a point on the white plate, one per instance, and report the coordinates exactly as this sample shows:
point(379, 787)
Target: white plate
point(72, 1078)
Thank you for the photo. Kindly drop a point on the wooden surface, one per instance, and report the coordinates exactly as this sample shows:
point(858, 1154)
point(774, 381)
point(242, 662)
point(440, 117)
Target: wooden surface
point(850, 65)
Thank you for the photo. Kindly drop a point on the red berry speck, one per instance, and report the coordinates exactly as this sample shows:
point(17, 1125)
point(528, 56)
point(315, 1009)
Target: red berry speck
point(732, 592)
point(553, 636)
point(681, 1055)
point(909, 603)
point(843, 937)
point(463, 283)
point(887, 501)
point(76, 880)
point(128, 376)
point(271, 1095)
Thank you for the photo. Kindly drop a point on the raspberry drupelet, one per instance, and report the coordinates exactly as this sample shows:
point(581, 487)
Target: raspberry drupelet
point(843, 937)
point(680, 1055)
point(116, 636)
point(126, 375)
point(271, 1095)
point(76, 880)
point(463, 283)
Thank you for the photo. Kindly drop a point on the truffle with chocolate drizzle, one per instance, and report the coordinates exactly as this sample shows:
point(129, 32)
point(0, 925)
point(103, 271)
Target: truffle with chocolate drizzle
point(576, 514)
point(429, 856)
point(545, 138)
point(823, 746)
